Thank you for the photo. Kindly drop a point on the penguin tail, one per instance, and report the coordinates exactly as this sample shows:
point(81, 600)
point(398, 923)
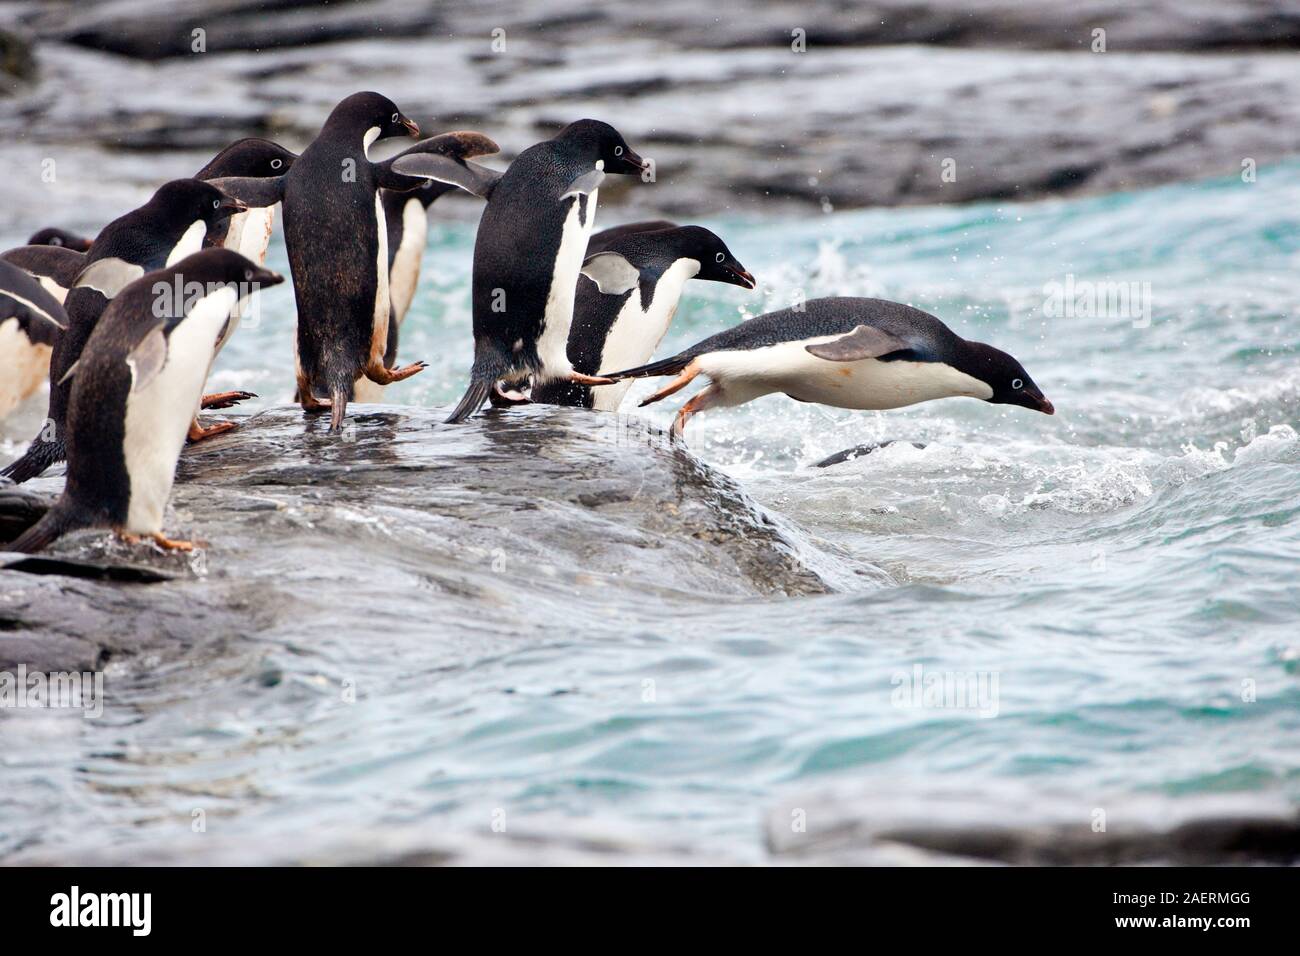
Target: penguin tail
point(338, 408)
point(472, 401)
point(668, 366)
point(39, 456)
point(55, 523)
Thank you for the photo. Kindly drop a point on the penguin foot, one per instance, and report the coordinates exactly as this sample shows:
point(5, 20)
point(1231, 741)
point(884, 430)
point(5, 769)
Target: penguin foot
point(580, 379)
point(168, 544)
point(387, 376)
point(199, 432)
point(699, 401)
point(676, 385)
point(226, 399)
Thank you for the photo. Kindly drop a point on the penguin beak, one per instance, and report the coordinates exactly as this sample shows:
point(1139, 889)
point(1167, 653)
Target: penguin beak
point(411, 126)
point(1046, 407)
point(267, 277)
point(230, 206)
point(80, 245)
point(740, 276)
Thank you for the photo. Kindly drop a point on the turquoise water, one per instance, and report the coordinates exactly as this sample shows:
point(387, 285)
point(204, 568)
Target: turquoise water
point(1126, 571)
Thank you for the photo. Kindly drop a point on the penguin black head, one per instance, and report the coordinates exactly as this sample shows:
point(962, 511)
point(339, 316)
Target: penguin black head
point(59, 237)
point(226, 267)
point(1010, 382)
point(250, 157)
point(189, 200)
point(372, 111)
point(717, 264)
point(596, 142)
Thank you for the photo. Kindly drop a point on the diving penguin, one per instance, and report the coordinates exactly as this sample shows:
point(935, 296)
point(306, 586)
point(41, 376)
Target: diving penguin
point(843, 352)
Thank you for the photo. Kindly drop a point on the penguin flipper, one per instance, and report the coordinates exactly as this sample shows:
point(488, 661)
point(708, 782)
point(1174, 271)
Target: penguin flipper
point(38, 313)
point(147, 359)
point(471, 177)
point(256, 192)
point(108, 276)
point(584, 185)
point(59, 263)
point(471, 402)
point(863, 342)
point(612, 273)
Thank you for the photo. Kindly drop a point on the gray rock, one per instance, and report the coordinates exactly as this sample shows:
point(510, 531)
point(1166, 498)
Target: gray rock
point(1031, 829)
point(400, 523)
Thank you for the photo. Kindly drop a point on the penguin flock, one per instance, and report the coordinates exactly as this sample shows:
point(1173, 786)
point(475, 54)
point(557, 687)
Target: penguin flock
point(125, 327)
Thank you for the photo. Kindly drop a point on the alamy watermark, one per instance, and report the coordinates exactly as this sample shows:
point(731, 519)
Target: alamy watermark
point(1086, 299)
point(918, 689)
point(56, 690)
point(178, 297)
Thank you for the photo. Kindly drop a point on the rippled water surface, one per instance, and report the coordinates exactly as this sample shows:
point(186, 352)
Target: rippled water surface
point(1125, 570)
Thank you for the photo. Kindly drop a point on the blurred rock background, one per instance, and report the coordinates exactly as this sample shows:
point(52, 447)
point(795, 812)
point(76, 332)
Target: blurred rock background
point(817, 105)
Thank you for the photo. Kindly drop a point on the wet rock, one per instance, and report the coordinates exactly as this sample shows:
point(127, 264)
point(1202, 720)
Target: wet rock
point(872, 828)
point(405, 527)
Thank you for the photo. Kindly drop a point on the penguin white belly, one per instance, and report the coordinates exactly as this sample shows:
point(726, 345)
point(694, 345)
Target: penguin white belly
point(364, 391)
point(553, 343)
point(405, 274)
point(190, 242)
point(235, 232)
point(158, 415)
point(53, 288)
point(635, 334)
point(866, 384)
point(254, 234)
point(24, 365)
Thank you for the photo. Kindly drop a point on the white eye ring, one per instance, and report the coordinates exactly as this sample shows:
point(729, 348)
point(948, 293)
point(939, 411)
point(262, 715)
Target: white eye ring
point(394, 117)
point(720, 257)
point(618, 150)
point(277, 163)
point(216, 203)
point(56, 241)
point(1016, 383)
point(248, 274)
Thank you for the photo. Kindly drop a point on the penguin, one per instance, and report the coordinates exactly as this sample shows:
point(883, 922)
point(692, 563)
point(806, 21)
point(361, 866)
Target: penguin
point(55, 267)
point(530, 246)
point(406, 215)
point(843, 352)
point(336, 235)
point(141, 374)
point(31, 320)
point(51, 236)
point(248, 232)
point(626, 298)
point(600, 241)
point(166, 229)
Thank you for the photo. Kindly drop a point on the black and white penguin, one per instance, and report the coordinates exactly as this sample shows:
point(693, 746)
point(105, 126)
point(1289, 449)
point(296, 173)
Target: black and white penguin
point(51, 236)
point(626, 299)
point(406, 215)
point(531, 244)
point(31, 320)
point(248, 232)
point(337, 241)
point(55, 267)
point(169, 227)
point(139, 379)
point(843, 352)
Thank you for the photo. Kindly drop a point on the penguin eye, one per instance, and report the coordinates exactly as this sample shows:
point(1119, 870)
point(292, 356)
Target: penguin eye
point(1016, 383)
point(719, 257)
point(277, 163)
point(216, 203)
point(56, 241)
point(618, 150)
point(394, 117)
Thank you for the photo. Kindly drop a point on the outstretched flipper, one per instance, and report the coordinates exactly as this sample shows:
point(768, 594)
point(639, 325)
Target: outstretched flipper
point(253, 191)
point(443, 158)
point(864, 342)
